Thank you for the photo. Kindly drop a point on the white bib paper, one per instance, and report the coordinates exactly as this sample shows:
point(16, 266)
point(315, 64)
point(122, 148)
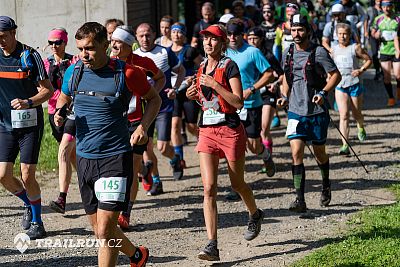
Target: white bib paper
point(132, 105)
point(388, 35)
point(23, 118)
point(242, 114)
point(212, 117)
point(292, 126)
point(111, 189)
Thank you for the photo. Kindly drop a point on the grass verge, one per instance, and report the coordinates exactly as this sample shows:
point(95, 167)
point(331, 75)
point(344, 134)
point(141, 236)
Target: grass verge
point(374, 240)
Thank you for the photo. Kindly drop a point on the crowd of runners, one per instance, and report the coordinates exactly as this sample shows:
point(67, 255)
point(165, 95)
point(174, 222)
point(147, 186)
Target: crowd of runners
point(226, 87)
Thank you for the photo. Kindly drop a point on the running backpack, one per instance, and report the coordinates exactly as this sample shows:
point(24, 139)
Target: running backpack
point(315, 74)
point(119, 77)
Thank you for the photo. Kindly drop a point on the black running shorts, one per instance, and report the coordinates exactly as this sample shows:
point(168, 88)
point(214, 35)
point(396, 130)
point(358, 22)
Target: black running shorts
point(106, 176)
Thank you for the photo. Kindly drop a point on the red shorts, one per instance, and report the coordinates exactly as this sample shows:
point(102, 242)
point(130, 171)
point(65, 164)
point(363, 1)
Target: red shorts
point(223, 141)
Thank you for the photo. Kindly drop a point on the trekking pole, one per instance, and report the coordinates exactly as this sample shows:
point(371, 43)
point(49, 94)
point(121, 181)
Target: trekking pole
point(347, 142)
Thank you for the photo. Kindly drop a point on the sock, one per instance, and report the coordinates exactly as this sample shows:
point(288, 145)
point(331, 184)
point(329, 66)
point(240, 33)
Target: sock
point(156, 178)
point(267, 144)
point(127, 213)
point(137, 256)
point(23, 196)
point(299, 179)
point(179, 150)
point(325, 174)
point(63, 196)
point(389, 90)
point(36, 205)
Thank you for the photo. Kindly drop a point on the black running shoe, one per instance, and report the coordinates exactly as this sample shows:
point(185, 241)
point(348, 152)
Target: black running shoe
point(209, 253)
point(268, 163)
point(298, 206)
point(177, 169)
point(26, 218)
point(254, 226)
point(326, 196)
point(36, 231)
point(156, 189)
point(58, 205)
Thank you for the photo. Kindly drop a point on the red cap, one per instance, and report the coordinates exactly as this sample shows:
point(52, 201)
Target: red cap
point(216, 31)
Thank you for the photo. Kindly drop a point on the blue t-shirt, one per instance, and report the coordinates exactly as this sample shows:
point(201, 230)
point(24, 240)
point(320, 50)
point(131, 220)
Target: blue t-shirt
point(252, 64)
point(166, 60)
point(101, 128)
point(23, 88)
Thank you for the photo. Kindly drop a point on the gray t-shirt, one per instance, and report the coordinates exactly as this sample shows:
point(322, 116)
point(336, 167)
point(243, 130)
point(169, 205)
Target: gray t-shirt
point(300, 95)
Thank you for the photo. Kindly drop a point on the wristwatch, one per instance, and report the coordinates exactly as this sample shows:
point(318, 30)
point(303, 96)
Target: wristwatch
point(253, 89)
point(30, 102)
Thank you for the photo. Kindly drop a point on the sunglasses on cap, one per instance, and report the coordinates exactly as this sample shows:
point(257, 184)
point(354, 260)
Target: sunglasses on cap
point(57, 42)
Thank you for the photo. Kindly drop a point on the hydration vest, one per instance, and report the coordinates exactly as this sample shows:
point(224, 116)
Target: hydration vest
point(315, 74)
point(118, 66)
point(21, 71)
point(220, 77)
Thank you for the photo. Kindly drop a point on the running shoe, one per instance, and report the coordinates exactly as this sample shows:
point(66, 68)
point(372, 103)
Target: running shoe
point(36, 231)
point(233, 196)
point(254, 226)
point(156, 189)
point(362, 135)
point(145, 257)
point(58, 205)
point(123, 222)
point(209, 253)
point(177, 170)
point(26, 218)
point(298, 206)
point(145, 175)
point(276, 122)
point(326, 196)
point(344, 150)
point(391, 102)
point(269, 163)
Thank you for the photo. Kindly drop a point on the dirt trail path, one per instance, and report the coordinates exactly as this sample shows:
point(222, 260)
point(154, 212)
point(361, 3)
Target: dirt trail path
point(172, 225)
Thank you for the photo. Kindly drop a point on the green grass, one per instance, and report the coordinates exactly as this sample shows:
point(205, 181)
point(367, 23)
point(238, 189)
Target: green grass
point(373, 241)
point(48, 151)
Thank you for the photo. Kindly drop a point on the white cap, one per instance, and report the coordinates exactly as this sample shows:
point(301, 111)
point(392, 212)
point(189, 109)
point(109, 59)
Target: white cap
point(250, 2)
point(337, 8)
point(225, 18)
point(123, 35)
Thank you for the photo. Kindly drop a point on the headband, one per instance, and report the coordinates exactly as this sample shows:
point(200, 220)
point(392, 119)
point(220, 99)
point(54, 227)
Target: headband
point(179, 28)
point(59, 35)
point(124, 36)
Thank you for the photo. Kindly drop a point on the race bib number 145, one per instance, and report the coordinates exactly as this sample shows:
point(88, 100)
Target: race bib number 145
point(111, 189)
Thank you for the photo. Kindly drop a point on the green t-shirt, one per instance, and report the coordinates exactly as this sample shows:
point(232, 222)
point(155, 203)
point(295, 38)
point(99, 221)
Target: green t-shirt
point(388, 28)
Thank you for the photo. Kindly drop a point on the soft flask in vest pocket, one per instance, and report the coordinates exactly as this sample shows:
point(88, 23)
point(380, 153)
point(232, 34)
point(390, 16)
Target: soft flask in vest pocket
point(26, 60)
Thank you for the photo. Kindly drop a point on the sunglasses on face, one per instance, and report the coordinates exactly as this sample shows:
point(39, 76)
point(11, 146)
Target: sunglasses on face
point(267, 11)
point(58, 42)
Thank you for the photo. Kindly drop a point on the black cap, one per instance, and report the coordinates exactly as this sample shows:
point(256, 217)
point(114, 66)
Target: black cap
point(299, 20)
point(7, 24)
point(257, 31)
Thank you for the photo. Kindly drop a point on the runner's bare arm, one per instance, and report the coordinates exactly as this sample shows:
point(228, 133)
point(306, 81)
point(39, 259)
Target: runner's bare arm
point(159, 80)
point(152, 108)
point(361, 53)
point(45, 91)
point(61, 101)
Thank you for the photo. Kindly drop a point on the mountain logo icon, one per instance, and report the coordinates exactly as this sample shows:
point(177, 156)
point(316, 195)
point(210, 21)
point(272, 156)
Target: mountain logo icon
point(22, 242)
